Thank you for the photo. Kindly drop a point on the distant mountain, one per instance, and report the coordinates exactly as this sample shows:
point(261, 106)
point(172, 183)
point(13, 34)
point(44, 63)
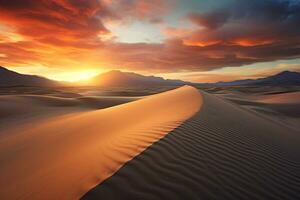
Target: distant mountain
point(117, 78)
point(11, 78)
point(284, 78)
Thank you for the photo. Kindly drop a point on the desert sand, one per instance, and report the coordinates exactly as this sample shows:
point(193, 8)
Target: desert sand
point(62, 157)
point(225, 151)
point(282, 98)
point(16, 109)
point(226, 143)
point(280, 104)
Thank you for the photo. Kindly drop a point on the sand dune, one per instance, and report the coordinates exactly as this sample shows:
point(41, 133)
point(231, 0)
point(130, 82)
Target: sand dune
point(281, 104)
point(63, 157)
point(223, 152)
point(288, 98)
point(153, 149)
point(52, 101)
point(21, 109)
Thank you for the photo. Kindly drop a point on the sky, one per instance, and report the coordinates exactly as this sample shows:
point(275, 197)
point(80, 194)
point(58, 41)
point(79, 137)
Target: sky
point(194, 40)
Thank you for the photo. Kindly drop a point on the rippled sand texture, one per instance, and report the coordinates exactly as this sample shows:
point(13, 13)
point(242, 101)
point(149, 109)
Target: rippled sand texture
point(64, 157)
point(223, 152)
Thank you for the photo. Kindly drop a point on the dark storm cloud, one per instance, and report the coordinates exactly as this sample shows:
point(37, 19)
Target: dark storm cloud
point(241, 33)
point(255, 21)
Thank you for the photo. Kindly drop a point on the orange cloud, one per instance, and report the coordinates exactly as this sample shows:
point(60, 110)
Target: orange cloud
point(190, 42)
point(73, 34)
point(66, 20)
point(249, 42)
point(213, 78)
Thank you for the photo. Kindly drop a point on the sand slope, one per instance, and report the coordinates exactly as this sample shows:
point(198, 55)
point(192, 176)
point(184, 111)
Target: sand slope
point(64, 157)
point(18, 110)
point(282, 105)
point(288, 98)
point(12, 105)
point(223, 152)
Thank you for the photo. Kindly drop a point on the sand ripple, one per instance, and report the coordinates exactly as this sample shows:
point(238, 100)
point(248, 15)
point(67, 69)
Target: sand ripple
point(64, 157)
point(224, 152)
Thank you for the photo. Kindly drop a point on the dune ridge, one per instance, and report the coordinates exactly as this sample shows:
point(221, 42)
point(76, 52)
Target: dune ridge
point(63, 158)
point(222, 152)
point(19, 110)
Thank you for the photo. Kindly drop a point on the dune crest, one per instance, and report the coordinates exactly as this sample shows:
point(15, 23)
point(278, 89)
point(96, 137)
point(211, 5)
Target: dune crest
point(223, 152)
point(64, 158)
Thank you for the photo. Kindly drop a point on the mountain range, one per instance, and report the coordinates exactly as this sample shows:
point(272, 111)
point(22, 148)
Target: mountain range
point(284, 78)
point(112, 78)
point(116, 78)
point(11, 78)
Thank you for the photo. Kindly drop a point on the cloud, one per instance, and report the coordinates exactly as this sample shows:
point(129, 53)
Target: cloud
point(210, 20)
point(74, 34)
point(249, 23)
point(65, 33)
point(67, 22)
point(146, 10)
point(71, 22)
point(240, 33)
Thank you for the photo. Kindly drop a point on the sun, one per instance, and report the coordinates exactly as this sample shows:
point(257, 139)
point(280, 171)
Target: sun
point(75, 76)
point(71, 75)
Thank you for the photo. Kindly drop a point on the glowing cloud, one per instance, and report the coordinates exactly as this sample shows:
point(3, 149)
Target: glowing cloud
point(77, 35)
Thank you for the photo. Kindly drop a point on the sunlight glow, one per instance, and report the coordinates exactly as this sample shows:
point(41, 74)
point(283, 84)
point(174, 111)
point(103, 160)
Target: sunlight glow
point(75, 76)
point(58, 74)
